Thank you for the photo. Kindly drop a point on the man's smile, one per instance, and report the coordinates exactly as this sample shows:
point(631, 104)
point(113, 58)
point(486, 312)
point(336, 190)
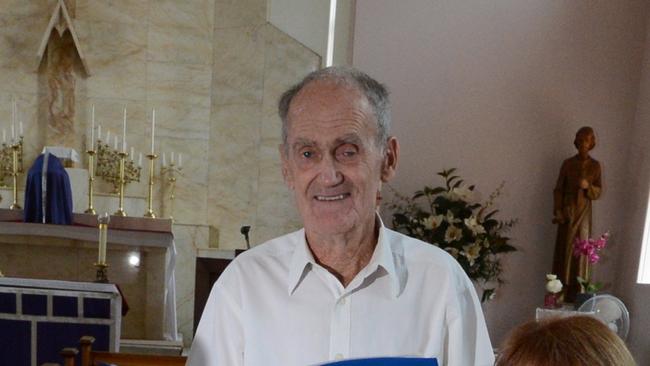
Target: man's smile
point(337, 197)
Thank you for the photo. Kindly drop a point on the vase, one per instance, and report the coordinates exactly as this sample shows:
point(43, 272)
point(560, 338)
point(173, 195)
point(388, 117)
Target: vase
point(581, 298)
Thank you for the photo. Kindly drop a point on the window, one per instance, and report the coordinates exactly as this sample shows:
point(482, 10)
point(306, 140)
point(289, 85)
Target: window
point(644, 263)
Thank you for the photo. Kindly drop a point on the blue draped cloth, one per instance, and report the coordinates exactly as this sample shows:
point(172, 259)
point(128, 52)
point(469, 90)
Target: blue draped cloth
point(48, 196)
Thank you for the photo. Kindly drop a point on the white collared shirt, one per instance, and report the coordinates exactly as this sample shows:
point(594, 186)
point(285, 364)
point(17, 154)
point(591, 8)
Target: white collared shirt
point(274, 305)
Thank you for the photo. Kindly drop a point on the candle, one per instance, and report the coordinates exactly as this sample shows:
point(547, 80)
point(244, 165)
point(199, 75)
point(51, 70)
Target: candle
point(115, 142)
point(140, 159)
point(108, 137)
point(99, 132)
point(124, 132)
point(13, 118)
point(4, 135)
point(103, 219)
point(164, 161)
point(132, 153)
point(153, 127)
point(180, 160)
point(20, 128)
point(92, 129)
point(172, 159)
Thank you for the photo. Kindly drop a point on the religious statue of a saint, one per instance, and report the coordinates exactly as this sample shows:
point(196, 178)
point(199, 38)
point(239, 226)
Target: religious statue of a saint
point(577, 186)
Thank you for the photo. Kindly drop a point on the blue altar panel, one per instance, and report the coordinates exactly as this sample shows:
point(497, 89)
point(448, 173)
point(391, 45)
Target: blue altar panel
point(51, 315)
point(52, 337)
point(15, 342)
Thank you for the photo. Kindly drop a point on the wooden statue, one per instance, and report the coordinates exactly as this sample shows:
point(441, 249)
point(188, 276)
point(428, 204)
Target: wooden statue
point(577, 186)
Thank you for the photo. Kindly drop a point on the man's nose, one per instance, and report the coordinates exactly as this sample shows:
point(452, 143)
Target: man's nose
point(329, 173)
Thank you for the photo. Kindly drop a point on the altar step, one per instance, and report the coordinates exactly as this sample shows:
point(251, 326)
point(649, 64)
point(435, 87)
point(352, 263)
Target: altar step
point(151, 347)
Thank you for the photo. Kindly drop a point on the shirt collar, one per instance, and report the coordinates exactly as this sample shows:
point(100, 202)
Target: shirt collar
point(383, 256)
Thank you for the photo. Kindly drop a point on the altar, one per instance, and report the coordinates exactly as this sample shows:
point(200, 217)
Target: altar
point(68, 252)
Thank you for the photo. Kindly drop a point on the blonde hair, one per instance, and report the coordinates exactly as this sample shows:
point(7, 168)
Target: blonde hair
point(572, 341)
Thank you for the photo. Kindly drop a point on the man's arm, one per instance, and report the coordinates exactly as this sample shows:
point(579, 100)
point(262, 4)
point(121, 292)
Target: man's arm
point(468, 342)
point(219, 339)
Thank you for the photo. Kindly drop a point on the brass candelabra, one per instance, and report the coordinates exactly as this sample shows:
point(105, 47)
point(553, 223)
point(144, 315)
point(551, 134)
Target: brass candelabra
point(108, 167)
point(122, 181)
point(152, 157)
point(171, 171)
point(91, 180)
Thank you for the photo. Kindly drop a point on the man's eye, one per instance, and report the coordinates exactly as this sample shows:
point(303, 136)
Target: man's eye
point(307, 154)
point(347, 152)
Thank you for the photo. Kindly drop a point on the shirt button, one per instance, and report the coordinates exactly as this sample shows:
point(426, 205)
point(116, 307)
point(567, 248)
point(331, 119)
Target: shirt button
point(338, 356)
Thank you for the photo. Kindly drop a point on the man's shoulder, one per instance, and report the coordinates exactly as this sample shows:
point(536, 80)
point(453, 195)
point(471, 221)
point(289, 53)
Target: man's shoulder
point(417, 251)
point(279, 247)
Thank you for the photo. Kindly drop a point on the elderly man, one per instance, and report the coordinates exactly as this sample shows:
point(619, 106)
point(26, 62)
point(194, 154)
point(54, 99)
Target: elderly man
point(344, 286)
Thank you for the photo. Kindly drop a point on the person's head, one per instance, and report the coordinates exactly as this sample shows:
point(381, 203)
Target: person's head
point(570, 341)
point(585, 140)
point(336, 149)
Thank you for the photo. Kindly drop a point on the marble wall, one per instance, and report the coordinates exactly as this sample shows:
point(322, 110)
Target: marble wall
point(212, 69)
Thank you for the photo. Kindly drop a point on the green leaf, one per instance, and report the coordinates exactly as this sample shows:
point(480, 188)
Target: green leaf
point(438, 190)
point(457, 184)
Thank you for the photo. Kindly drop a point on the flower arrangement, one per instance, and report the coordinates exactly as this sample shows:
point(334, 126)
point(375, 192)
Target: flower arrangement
point(447, 217)
point(553, 288)
point(590, 248)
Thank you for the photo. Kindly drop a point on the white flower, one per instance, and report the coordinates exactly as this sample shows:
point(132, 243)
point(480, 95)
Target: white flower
point(550, 277)
point(471, 252)
point(453, 233)
point(432, 222)
point(554, 286)
point(450, 218)
point(474, 226)
point(458, 194)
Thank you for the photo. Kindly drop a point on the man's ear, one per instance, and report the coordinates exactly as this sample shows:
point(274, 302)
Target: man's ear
point(286, 174)
point(389, 160)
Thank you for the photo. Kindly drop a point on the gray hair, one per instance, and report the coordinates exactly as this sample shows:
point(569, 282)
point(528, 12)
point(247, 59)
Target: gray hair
point(374, 91)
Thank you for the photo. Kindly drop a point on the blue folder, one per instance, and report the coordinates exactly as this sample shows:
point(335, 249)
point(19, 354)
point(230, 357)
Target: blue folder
point(387, 361)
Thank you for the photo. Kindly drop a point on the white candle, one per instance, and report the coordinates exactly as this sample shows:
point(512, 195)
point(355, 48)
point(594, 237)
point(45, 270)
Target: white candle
point(13, 118)
point(140, 159)
point(92, 129)
point(172, 159)
point(108, 137)
point(153, 127)
point(4, 135)
point(164, 161)
point(20, 128)
point(99, 132)
point(124, 132)
point(115, 144)
point(132, 153)
point(180, 160)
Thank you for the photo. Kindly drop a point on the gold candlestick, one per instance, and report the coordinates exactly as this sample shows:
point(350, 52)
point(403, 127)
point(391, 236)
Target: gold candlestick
point(91, 179)
point(122, 182)
point(171, 171)
point(102, 267)
point(14, 175)
point(150, 212)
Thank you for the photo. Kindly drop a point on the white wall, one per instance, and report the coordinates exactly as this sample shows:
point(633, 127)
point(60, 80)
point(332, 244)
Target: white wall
point(635, 296)
point(304, 20)
point(307, 21)
point(498, 89)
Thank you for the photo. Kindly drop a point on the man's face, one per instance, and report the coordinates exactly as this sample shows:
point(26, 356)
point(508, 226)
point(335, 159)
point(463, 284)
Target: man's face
point(586, 142)
point(332, 160)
